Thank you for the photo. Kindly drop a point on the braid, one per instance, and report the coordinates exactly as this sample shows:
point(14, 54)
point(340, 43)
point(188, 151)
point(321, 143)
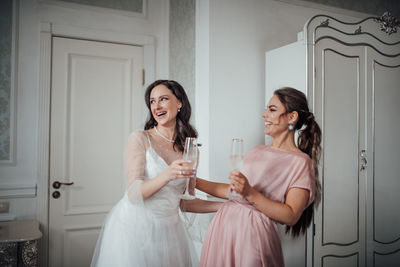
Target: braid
point(309, 141)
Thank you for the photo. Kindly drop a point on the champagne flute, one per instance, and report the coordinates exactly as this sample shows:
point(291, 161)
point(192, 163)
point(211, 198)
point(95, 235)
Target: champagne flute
point(190, 153)
point(236, 161)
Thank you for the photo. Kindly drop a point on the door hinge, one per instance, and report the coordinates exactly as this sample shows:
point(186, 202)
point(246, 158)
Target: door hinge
point(143, 77)
point(313, 229)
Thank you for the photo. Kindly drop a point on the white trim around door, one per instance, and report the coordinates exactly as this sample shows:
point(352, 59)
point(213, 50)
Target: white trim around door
point(47, 31)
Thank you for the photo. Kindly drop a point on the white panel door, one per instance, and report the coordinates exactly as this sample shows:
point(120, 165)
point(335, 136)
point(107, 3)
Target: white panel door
point(340, 110)
point(96, 101)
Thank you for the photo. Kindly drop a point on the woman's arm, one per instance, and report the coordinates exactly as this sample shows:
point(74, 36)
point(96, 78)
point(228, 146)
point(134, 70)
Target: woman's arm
point(215, 189)
point(177, 169)
point(135, 162)
point(200, 205)
point(287, 213)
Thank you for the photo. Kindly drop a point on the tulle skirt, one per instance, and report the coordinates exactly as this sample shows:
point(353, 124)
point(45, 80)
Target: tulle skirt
point(133, 235)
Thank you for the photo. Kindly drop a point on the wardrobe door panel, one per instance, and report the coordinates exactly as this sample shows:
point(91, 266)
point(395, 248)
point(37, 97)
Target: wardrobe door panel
point(345, 261)
point(339, 106)
point(386, 90)
point(384, 182)
point(387, 260)
point(340, 127)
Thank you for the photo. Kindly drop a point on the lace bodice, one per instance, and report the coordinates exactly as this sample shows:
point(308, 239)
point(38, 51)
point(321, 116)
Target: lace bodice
point(143, 161)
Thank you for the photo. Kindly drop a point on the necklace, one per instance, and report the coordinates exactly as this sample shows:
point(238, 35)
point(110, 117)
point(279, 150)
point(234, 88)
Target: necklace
point(160, 134)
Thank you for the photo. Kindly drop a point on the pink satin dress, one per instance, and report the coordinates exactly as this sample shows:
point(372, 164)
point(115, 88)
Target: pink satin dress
point(241, 235)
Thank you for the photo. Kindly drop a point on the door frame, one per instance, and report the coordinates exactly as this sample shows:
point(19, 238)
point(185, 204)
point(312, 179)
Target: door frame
point(47, 31)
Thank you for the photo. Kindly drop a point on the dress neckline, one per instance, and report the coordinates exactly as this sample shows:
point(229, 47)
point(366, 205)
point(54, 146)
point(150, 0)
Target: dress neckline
point(153, 150)
point(157, 155)
point(287, 151)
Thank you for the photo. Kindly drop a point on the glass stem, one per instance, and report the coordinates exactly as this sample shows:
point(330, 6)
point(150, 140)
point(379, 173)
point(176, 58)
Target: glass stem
point(187, 186)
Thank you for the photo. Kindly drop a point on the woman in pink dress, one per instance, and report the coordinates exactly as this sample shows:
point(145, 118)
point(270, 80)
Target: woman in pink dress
point(278, 184)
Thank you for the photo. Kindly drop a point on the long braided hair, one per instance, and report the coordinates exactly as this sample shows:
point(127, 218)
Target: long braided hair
point(308, 141)
point(183, 128)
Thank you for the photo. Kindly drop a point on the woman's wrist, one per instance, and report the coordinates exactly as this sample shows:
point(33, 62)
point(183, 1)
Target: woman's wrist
point(252, 195)
point(165, 177)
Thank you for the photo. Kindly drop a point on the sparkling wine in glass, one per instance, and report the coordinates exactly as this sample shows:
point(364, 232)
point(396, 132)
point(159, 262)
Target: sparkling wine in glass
point(236, 161)
point(190, 154)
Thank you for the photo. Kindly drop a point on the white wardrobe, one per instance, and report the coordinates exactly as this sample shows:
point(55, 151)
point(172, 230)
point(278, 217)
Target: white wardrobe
point(350, 73)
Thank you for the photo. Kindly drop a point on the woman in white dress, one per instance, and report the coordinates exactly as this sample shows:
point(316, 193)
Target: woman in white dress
point(144, 228)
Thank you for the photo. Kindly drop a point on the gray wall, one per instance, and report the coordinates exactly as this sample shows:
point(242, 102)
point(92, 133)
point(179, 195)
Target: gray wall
point(5, 77)
point(182, 45)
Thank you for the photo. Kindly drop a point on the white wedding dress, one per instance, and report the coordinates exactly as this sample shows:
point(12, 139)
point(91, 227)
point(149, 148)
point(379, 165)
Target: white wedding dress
point(146, 233)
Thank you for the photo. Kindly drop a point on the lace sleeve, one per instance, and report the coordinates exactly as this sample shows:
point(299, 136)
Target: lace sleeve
point(135, 162)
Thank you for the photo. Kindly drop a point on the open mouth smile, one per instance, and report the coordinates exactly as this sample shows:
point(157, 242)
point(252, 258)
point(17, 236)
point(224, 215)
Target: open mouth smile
point(161, 113)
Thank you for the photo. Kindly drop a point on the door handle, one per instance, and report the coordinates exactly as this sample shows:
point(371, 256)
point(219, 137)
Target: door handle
point(57, 184)
point(363, 159)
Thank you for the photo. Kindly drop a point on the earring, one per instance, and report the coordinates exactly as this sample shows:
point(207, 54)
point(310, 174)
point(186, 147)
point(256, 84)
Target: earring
point(179, 109)
point(291, 127)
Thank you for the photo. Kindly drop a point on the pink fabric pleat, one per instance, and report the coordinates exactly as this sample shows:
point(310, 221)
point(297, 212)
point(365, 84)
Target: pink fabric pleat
point(240, 235)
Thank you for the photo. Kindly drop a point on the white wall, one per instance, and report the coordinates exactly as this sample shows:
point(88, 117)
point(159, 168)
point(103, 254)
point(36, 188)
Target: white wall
point(18, 182)
point(232, 38)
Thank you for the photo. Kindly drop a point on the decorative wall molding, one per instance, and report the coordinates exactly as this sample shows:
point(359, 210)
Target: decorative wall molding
point(12, 132)
point(44, 139)
point(17, 191)
point(78, 6)
point(69, 31)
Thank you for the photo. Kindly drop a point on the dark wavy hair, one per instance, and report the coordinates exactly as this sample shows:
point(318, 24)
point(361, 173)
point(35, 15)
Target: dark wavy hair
point(183, 128)
point(308, 141)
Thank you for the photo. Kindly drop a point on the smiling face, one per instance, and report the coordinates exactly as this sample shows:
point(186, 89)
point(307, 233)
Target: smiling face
point(164, 105)
point(275, 117)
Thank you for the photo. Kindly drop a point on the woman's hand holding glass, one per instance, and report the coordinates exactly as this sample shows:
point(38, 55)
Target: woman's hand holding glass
point(240, 184)
point(179, 168)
